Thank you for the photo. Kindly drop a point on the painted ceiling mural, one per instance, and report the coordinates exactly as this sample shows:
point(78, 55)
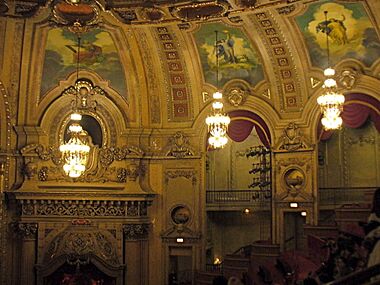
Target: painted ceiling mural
point(98, 54)
point(350, 31)
point(237, 58)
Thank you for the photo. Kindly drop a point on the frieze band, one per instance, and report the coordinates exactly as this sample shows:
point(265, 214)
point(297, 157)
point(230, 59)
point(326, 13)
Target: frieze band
point(83, 208)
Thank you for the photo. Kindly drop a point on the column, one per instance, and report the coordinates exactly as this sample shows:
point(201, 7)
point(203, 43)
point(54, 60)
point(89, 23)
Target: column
point(28, 233)
point(136, 253)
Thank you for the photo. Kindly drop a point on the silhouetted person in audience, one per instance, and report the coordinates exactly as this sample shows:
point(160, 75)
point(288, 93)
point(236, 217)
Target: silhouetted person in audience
point(234, 281)
point(373, 228)
point(220, 280)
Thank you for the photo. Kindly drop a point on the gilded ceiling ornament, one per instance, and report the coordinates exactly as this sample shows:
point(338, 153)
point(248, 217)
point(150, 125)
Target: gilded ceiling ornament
point(86, 13)
point(236, 96)
point(267, 93)
point(200, 10)
point(125, 15)
point(347, 78)
point(314, 82)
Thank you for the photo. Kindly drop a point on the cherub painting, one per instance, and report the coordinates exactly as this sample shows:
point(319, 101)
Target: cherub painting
point(97, 54)
point(349, 31)
point(236, 56)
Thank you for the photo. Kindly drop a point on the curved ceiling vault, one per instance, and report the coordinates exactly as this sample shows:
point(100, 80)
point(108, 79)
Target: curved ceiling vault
point(271, 50)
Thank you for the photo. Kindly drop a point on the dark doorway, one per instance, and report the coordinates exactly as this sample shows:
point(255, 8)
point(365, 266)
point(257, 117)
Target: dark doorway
point(87, 274)
point(293, 231)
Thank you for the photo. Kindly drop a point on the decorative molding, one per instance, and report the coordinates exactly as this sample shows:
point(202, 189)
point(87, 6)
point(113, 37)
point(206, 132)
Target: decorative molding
point(360, 140)
point(188, 174)
point(286, 10)
point(180, 231)
point(136, 231)
point(292, 139)
point(294, 161)
point(179, 146)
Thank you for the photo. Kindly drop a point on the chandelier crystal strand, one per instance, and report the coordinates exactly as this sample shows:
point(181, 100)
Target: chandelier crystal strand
point(217, 122)
point(75, 151)
point(331, 101)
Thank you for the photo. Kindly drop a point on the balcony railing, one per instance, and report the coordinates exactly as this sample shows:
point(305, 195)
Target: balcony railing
point(340, 196)
point(255, 199)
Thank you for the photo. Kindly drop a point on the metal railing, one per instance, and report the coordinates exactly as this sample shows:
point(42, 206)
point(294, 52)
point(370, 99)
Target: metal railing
point(257, 198)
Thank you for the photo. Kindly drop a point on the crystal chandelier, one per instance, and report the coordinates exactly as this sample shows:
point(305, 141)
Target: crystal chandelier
point(331, 101)
point(75, 151)
point(218, 121)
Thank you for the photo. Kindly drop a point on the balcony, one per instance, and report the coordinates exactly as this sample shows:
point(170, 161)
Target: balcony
point(235, 200)
point(331, 198)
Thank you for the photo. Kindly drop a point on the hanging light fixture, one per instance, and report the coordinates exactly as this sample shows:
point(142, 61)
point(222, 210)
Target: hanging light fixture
point(75, 151)
point(331, 101)
point(218, 121)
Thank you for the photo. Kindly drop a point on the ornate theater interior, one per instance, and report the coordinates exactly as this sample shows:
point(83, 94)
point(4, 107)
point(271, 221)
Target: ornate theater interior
point(157, 142)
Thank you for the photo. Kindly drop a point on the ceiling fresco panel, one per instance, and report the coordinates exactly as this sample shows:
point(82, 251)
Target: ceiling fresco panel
point(98, 54)
point(349, 28)
point(237, 58)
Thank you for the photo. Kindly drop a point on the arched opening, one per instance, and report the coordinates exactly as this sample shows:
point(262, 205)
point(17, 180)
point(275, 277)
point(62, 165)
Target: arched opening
point(238, 185)
point(348, 159)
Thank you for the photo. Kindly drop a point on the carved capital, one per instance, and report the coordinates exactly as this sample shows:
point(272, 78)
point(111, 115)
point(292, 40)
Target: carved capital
point(135, 231)
point(26, 230)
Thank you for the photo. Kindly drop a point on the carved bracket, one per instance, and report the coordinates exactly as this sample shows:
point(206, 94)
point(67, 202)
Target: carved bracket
point(26, 230)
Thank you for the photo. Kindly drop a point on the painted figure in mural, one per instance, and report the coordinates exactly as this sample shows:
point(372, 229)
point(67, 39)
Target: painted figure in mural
point(225, 48)
point(89, 53)
point(335, 29)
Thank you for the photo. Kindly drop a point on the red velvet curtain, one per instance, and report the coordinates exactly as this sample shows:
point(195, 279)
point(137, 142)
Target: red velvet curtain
point(357, 109)
point(242, 123)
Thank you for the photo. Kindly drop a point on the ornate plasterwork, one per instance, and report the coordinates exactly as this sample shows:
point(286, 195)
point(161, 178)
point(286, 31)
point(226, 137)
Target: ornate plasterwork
point(294, 161)
point(347, 77)
point(180, 231)
point(188, 174)
point(292, 139)
point(45, 164)
point(82, 208)
point(179, 97)
point(178, 146)
point(136, 231)
point(282, 61)
point(79, 243)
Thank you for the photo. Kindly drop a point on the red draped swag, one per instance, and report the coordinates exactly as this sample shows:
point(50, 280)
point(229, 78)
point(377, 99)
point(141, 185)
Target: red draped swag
point(242, 123)
point(357, 109)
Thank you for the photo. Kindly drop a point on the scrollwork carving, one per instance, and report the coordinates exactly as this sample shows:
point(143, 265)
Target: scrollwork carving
point(188, 174)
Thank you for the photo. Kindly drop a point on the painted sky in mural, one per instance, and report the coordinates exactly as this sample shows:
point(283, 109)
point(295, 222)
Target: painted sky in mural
point(98, 54)
point(350, 32)
point(237, 58)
